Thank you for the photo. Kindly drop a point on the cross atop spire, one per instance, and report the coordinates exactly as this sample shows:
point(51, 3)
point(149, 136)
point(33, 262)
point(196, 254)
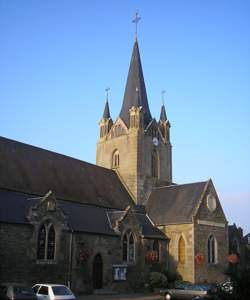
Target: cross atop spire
point(136, 21)
point(162, 97)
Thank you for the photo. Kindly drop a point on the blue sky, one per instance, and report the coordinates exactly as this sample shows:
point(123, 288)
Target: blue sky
point(57, 58)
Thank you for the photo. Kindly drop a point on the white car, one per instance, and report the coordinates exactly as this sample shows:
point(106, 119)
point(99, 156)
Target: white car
point(53, 292)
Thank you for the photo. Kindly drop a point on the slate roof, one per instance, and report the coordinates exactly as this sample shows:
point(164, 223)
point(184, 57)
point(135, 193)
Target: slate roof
point(14, 207)
point(35, 171)
point(174, 204)
point(163, 115)
point(106, 113)
point(135, 91)
point(148, 229)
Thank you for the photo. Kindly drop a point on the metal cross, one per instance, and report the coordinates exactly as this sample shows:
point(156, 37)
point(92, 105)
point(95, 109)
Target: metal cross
point(136, 20)
point(107, 91)
point(162, 96)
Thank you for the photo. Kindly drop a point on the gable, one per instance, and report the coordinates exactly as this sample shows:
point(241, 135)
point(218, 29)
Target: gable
point(209, 207)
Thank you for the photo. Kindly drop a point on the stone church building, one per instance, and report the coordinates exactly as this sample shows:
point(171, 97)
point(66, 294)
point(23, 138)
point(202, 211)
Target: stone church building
point(100, 226)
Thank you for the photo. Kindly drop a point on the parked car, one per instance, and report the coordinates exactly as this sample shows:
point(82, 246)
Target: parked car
point(15, 291)
point(190, 291)
point(53, 292)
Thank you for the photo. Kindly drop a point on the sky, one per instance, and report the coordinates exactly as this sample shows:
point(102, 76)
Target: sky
point(57, 57)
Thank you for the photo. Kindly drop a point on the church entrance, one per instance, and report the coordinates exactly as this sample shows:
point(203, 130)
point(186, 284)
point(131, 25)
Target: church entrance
point(97, 272)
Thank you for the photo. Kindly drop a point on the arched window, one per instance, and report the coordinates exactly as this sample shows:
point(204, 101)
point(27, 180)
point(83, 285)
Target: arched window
point(181, 251)
point(212, 249)
point(128, 246)
point(156, 248)
point(155, 164)
point(46, 242)
point(115, 159)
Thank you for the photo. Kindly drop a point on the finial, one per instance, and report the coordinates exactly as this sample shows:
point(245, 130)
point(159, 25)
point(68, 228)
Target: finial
point(136, 20)
point(162, 97)
point(107, 91)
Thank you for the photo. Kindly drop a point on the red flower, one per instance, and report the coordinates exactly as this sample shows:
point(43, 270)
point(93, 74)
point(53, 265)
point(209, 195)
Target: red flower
point(151, 256)
point(199, 258)
point(84, 254)
point(232, 259)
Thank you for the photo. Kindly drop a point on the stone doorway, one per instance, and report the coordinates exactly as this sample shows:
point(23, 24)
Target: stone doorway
point(97, 272)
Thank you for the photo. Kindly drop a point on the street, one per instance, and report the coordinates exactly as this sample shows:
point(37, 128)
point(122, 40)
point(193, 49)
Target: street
point(121, 297)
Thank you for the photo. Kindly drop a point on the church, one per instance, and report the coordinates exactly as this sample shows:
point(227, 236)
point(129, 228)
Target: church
point(103, 226)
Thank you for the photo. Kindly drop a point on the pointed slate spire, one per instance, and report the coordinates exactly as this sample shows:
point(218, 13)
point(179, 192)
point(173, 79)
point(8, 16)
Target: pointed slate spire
point(163, 115)
point(106, 113)
point(135, 91)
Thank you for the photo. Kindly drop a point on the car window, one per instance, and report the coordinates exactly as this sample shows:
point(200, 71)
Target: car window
point(61, 290)
point(35, 288)
point(43, 290)
point(22, 290)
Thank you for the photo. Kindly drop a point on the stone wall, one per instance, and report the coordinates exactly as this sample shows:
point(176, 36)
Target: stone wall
point(174, 232)
point(206, 272)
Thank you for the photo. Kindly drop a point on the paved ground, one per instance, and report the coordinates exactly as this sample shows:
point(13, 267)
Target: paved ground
point(121, 297)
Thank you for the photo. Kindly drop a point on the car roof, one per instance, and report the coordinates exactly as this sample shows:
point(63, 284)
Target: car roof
point(50, 284)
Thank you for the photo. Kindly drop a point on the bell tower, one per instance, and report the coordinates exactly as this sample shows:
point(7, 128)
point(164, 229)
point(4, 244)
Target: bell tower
point(136, 146)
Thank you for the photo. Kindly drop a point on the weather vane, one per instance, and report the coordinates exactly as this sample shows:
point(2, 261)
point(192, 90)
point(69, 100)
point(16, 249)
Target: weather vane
point(136, 20)
point(162, 96)
point(107, 91)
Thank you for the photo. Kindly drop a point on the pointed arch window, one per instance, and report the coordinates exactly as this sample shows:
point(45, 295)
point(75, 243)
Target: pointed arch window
point(115, 159)
point(156, 248)
point(155, 164)
point(46, 242)
point(128, 246)
point(212, 249)
point(181, 251)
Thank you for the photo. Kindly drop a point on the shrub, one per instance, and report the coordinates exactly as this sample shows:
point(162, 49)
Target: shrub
point(157, 280)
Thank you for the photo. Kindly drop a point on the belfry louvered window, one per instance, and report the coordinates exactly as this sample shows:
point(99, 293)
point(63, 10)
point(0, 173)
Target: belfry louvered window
point(46, 242)
point(154, 164)
point(116, 159)
point(128, 247)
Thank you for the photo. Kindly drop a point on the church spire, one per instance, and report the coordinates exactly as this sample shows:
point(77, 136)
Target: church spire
point(135, 91)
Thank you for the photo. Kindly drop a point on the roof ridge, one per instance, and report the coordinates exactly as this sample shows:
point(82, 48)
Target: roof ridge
point(177, 185)
point(54, 153)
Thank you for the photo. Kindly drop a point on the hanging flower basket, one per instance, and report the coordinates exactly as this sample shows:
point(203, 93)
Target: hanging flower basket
point(199, 258)
point(233, 259)
point(84, 255)
point(151, 256)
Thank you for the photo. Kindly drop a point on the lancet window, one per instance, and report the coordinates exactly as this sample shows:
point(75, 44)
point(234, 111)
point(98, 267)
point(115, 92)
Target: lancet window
point(46, 242)
point(128, 246)
point(212, 249)
point(181, 251)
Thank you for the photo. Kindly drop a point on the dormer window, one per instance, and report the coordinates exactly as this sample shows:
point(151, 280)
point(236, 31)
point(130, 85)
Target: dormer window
point(115, 160)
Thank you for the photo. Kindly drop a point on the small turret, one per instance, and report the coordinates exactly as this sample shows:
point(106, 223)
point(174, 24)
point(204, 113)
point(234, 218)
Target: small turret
point(106, 122)
point(164, 125)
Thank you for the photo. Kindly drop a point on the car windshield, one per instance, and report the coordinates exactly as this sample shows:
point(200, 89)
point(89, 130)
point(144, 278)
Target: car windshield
point(61, 290)
point(23, 290)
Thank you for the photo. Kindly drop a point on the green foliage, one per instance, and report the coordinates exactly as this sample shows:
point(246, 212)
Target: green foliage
point(157, 280)
point(135, 278)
